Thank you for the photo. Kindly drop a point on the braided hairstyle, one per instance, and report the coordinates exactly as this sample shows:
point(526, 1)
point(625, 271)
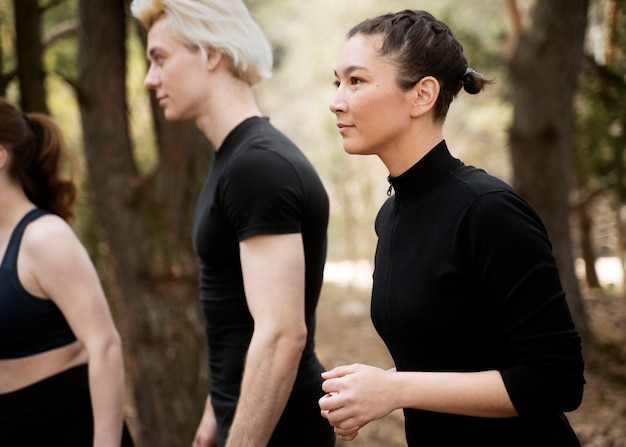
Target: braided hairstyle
point(35, 144)
point(419, 45)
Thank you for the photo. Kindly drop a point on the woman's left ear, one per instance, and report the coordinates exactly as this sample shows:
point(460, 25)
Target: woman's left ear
point(424, 95)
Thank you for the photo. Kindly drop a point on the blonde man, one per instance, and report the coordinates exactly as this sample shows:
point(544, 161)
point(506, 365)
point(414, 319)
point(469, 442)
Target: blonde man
point(259, 229)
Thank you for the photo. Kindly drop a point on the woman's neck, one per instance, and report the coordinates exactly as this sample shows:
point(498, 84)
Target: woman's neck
point(13, 204)
point(411, 149)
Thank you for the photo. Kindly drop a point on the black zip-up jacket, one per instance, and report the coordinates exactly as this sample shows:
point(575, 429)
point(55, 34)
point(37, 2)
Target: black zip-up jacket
point(465, 280)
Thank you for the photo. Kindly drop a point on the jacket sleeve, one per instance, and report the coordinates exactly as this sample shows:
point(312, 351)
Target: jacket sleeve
point(517, 272)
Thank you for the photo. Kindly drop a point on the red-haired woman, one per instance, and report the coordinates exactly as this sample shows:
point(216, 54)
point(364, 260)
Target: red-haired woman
point(61, 367)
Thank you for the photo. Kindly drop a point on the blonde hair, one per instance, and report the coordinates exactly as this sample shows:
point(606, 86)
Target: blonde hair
point(223, 24)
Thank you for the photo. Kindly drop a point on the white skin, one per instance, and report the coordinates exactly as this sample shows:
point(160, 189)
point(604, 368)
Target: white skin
point(375, 116)
point(190, 86)
point(53, 264)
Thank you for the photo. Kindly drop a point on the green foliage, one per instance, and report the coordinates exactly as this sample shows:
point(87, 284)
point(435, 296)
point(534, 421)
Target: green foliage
point(600, 138)
point(140, 113)
point(8, 59)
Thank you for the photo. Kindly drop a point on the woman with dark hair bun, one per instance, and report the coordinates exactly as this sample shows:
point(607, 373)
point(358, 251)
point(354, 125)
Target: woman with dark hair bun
point(466, 292)
point(61, 367)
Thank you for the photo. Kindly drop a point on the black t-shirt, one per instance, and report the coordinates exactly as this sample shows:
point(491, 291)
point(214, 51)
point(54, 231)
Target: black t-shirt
point(259, 183)
point(465, 280)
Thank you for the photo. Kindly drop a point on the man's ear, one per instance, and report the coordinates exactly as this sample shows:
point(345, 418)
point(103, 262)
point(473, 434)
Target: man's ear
point(424, 96)
point(213, 57)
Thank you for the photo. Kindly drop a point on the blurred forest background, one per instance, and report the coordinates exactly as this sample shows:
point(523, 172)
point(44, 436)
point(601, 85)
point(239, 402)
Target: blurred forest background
point(553, 125)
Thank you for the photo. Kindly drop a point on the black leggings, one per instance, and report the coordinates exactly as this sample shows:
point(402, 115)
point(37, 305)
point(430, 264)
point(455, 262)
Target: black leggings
point(54, 411)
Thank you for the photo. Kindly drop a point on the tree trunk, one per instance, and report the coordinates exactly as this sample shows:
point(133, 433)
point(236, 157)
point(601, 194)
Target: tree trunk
point(621, 247)
point(29, 58)
point(586, 248)
point(144, 221)
point(544, 70)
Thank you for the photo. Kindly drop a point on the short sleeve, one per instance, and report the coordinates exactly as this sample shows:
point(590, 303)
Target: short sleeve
point(262, 194)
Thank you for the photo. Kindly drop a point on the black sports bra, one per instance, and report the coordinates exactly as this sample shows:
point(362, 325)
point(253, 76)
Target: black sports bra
point(28, 324)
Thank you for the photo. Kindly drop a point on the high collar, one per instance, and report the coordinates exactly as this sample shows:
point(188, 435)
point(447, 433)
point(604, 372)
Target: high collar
point(428, 171)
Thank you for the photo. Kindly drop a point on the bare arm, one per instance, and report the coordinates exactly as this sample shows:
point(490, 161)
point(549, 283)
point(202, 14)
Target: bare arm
point(362, 394)
point(206, 433)
point(273, 273)
point(63, 271)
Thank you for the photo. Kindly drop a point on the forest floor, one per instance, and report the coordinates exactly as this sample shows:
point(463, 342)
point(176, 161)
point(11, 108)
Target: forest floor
point(345, 335)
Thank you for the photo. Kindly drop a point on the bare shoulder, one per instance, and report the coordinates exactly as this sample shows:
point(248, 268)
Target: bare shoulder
point(51, 256)
point(49, 233)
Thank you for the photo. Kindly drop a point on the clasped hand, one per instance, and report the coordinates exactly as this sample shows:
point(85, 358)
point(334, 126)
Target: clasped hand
point(355, 395)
